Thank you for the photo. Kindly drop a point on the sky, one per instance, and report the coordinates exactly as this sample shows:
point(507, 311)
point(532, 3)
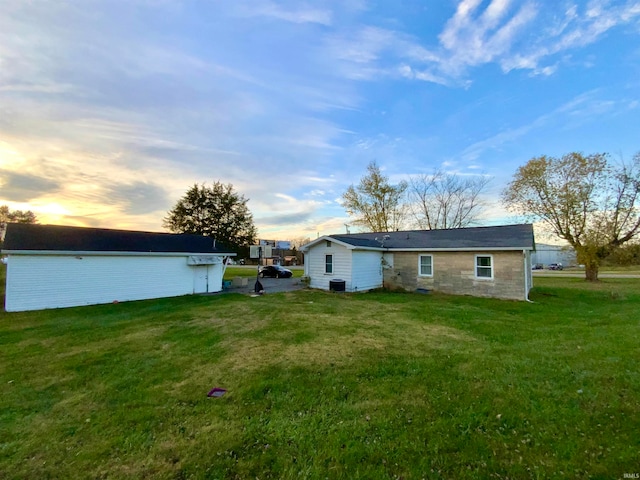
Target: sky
point(110, 110)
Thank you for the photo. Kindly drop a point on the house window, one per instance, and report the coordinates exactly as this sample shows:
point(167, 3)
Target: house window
point(426, 265)
point(484, 266)
point(328, 264)
point(328, 243)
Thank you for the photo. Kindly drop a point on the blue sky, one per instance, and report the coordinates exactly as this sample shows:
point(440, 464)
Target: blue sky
point(110, 110)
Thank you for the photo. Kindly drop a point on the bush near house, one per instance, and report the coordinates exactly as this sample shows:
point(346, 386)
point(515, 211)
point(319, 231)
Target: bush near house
point(376, 385)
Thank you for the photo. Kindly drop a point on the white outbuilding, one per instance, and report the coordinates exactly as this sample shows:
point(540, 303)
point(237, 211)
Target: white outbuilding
point(51, 266)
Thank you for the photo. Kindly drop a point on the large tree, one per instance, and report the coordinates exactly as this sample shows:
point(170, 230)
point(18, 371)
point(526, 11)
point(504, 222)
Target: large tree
point(375, 204)
point(444, 200)
point(586, 200)
point(216, 211)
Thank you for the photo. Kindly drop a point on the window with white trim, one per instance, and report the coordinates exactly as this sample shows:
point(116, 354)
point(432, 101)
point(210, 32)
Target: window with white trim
point(484, 266)
point(328, 264)
point(425, 265)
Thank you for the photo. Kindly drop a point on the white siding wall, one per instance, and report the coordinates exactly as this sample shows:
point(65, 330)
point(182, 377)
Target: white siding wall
point(366, 271)
point(37, 282)
point(315, 265)
point(528, 273)
point(215, 272)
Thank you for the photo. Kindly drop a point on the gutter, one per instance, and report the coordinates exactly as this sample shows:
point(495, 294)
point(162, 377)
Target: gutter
point(224, 266)
point(429, 249)
point(527, 272)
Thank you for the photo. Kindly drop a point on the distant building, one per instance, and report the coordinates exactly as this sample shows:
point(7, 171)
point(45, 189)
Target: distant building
point(275, 252)
point(546, 254)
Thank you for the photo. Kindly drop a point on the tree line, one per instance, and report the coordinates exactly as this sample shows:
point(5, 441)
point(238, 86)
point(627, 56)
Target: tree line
point(587, 200)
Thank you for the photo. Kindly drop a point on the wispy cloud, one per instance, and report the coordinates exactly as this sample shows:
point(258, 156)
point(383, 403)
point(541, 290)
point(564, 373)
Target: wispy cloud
point(295, 13)
point(473, 38)
point(577, 28)
point(513, 35)
point(23, 187)
point(583, 108)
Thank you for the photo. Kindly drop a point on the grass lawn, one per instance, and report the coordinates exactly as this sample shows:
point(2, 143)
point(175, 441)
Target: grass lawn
point(322, 385)
point(628, 270)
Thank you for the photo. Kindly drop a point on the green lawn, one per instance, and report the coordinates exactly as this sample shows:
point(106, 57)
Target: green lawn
point(321, 385)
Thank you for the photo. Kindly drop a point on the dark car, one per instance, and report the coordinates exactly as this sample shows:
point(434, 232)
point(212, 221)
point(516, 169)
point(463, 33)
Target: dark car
point(537, 266)
point(275, 271)
point(555, 266)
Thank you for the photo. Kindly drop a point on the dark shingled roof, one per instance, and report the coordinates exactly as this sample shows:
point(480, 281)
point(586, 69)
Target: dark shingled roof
point(20, 236)
point(507, 237)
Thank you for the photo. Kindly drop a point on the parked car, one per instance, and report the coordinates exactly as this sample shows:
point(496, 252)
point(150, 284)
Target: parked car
point(537, 266)
point(554, 266)
point(275, 271)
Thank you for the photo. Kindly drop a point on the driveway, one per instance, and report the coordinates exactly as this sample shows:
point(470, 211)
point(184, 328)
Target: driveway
point(270, 285)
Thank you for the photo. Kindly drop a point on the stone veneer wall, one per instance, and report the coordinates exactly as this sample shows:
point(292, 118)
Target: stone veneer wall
point(454, 273)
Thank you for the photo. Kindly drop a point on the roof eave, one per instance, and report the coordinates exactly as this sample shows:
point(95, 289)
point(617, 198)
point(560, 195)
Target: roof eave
point(430, 249)
point(464, 249)
point(112, 253)
point(324, 238)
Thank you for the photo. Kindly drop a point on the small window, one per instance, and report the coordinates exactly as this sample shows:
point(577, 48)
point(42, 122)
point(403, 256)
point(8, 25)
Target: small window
point(328, 243)
point(484, 266)
point(426, 265)
point(328, 264)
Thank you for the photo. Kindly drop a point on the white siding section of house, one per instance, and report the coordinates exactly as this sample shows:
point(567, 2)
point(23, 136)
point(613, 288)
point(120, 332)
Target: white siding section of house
point(366, 271)
point(527, 268)
point(37, 282)
point(315, 265)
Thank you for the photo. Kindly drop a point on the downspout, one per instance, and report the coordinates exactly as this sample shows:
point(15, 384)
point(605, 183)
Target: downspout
point(305, 265)
point(527, 272)
point(224, 267)
point(382, 261)
point(383, 264)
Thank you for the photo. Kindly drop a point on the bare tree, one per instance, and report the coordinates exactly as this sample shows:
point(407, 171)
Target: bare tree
point(298, 242)
point(375, 204)
point(444, 200)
